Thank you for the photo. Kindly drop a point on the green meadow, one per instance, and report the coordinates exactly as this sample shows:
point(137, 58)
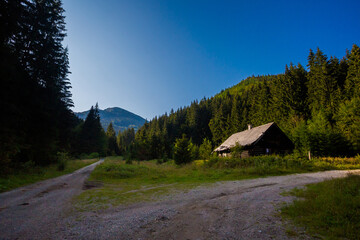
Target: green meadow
point(28, 174)
point(330, 209)
point(121, 183)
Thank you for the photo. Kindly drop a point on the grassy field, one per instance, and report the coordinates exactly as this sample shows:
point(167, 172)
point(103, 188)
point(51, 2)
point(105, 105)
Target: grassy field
point(33, 174)
point(148, 181)
point(330, 209)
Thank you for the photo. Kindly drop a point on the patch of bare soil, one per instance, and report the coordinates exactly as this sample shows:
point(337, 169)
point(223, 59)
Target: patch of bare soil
point(92, 184)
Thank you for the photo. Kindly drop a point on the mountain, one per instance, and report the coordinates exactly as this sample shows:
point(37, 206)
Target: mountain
point(120, 118)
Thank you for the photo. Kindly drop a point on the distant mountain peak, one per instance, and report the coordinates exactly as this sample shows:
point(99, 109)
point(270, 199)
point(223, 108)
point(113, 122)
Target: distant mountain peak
point(121, 118)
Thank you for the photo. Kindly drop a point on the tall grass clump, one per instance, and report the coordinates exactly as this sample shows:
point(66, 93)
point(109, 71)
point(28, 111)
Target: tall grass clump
point(113, 170)
point(62, 159)
point(260, 165)
point(31, 173)
point(274, 164)
point(330, 208)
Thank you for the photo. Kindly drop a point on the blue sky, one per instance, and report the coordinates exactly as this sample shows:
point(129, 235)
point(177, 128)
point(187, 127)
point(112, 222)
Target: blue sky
point(150, 56)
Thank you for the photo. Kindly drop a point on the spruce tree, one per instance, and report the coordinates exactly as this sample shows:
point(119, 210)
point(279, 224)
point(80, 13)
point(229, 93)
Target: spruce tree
point(218, 126)
point(352, 82)
point(92, 136)
point(205, 149)
point(111, 138)
point(323, 90)
point(182, 150)
point(33, 57)
point(291, 92)
point(235, 120)
point(348, 121)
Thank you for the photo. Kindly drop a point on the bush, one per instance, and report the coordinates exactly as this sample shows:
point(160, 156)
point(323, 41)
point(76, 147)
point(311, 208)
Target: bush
point(128, 160)
point(28, 165)
point(115, 170)
point(236, 151)
point(89, 156)
point(62, 160)
point(165, 158)
point(93, 155)
point(182, 150)
point(260, 162)
point(205, 149)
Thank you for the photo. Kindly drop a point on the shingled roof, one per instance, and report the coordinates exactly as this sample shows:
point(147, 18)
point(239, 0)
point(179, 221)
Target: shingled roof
point(245, 138)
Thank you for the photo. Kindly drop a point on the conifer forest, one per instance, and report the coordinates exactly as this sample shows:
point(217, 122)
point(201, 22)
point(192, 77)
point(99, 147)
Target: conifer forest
point(315, 105)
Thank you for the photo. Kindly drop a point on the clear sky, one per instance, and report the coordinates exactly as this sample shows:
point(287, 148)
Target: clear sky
point(150, 56)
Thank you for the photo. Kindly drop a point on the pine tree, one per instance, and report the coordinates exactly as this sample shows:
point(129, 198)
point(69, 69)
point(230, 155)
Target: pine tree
point(111, 138)
point(219, 127)
point(235, 121)
point(126, 138)
point(110, 132)
point(323, 90)
point(348, 121)
point(352, 82)
point(31, 38)
point(182, 150)
point(205, 149)
point(92, 136)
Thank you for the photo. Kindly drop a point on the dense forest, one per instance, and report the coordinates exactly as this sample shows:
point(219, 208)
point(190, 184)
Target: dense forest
point(316, 106)
point(36, 121)
point(37, 125)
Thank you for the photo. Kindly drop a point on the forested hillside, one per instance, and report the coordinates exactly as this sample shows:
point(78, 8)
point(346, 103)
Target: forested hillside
point(316, 105)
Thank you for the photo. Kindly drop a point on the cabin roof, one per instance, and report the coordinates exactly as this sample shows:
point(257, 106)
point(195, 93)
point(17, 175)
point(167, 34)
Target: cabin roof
point(244, 138)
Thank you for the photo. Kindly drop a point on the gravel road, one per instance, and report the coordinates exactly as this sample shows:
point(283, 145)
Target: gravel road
point(33, 211)
point(244, 209)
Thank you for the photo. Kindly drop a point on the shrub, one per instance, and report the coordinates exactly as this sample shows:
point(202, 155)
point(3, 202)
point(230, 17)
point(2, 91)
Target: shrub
point(89, 156)
point(182, 150)
point(94, 155)
point(128, 160)
point(28, 165)
point(205, 149)
point(236, 151)
point(165, 158)
point(62, 160)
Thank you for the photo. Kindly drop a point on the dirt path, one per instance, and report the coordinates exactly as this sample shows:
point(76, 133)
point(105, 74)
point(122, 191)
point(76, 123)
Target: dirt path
point(226, 210)
point(33, 211)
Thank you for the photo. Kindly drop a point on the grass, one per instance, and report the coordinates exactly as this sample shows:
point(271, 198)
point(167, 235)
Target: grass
point(149, 181)
point(330, 208)
point(146, 181)
point(32, 174)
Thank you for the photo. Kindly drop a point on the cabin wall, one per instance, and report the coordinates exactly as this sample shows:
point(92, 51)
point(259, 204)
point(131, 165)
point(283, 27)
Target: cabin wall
point(274, 141)
point(245, 154)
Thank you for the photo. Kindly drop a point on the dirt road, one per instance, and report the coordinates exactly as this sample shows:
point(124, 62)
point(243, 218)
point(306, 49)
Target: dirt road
point(226, 210)
point(34, 211)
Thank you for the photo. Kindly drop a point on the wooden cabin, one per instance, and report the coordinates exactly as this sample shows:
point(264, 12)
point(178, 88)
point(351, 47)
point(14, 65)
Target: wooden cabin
point(261, 140)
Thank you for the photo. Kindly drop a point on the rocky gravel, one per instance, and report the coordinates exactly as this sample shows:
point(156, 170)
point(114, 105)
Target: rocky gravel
point(246, 209)
point(37, 210)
